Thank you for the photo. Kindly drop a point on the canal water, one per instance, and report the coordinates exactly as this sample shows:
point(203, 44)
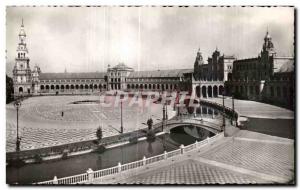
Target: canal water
point(79, 164)
point(276, 127)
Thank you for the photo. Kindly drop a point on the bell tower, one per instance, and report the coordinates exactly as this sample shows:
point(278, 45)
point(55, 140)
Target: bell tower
point(21, 72)
point(197, 65)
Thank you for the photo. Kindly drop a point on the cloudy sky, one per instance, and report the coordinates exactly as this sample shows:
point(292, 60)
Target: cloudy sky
point(145, 38)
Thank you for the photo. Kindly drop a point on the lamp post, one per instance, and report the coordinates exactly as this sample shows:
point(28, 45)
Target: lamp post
point(233, 115)
point(223, 124)
point(121, 131)
point(164, 117)
point(17, 105)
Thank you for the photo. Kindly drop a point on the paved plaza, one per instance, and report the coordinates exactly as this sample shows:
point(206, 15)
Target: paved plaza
point(42, 125)
point(246, 158)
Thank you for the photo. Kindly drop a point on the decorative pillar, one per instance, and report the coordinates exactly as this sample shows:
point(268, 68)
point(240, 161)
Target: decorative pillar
point(182, 148)
point(144, 161)
point(55, 181)
point(119, 167)
point(165, 155)
point(90, 174)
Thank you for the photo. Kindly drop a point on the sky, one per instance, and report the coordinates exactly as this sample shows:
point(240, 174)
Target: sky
point(88, 39)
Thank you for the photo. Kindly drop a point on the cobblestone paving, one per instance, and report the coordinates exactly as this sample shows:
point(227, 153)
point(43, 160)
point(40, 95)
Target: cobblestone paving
point(274, 159)
point(191, 172)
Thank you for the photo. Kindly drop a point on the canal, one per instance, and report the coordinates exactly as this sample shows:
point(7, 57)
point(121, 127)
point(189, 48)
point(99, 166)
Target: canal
point(31, 173)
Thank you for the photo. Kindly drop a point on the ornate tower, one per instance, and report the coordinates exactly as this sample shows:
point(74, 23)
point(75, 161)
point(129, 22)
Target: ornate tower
point(267, 55)
point(21, 72)
point(197, 65)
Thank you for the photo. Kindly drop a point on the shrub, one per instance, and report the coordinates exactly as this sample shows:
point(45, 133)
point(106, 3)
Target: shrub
point(38, 158)
point(65, 154)
point(151, 136)
point(133, 140)
point(100, 149)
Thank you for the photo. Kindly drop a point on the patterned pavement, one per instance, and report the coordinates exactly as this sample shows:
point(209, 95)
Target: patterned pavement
point(238, 160)
point(191, 172)
point(42, 125)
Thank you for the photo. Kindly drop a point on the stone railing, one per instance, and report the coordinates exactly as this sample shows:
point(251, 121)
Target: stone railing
point(91, 175)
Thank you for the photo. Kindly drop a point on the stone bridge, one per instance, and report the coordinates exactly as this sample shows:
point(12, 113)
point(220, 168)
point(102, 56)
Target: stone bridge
point(212, 125)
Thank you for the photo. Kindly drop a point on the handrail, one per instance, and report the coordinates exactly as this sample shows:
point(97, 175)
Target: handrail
point(91, 175)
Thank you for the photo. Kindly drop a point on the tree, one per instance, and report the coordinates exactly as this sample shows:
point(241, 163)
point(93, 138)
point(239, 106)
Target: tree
point(99, 133)
point(150, 123)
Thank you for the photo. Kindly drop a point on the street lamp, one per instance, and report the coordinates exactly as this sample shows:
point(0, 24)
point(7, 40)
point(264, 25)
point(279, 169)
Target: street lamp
point(17, 105)
point(223, 124)
point(233, 115)
point(121, 117)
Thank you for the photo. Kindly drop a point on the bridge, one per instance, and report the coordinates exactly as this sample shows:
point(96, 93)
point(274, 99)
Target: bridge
point(212, 125)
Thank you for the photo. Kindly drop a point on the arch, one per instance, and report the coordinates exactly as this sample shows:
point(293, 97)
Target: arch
point(284, 90)
point(57, 87)
point(77, 86)
point(100, 86)
point(175, 86)
point(198, 91)
point(204, 93)
point(42, 87)
point(81, 86)
point(20, 89)
point(241, 90)
point(104, 86)
point(91, 86)
point(137, 86)
point(167, 87)
point(95, 86)
point(221, 89)
point(215, 91)
point(150, 86)
point(171, 87)
point(158, 86)
point(251, 90)
point(47, 87)
point(128, 86)
point(272, 91)
point(52, 87)
point(67, 87)
point(141, 86)
point(154, 86)
point(278, 91)
point(62, 87)
point(132, 86)
point(209, 91)
point(86, 86)
point(145, 86)
point(72, 86)
point(257, 90)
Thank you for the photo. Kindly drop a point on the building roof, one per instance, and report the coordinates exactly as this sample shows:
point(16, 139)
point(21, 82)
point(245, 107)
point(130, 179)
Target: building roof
point(89, 75)
point(160, 73)
point(121, 67)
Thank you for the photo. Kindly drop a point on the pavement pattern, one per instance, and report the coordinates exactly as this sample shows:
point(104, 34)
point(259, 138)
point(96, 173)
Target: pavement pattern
point(245, 158)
